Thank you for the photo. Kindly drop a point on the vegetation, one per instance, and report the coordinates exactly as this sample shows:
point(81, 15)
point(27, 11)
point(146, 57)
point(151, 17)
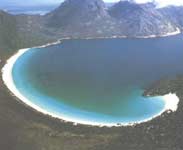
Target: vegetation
point(22, 128)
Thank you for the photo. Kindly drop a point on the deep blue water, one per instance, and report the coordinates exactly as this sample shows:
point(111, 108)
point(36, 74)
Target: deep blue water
point(99, 80)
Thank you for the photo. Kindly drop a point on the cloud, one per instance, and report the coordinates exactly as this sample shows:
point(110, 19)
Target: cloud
point(160, 3)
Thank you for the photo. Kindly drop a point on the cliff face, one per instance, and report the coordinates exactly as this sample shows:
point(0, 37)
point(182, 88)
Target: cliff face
point(81, 18)
point(141, 19)
point(77, 12)
point(174, 14)
point(125, 18)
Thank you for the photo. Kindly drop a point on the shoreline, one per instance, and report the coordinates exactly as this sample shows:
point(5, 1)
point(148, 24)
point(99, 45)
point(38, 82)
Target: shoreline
point(171, 100)
point(178, 31)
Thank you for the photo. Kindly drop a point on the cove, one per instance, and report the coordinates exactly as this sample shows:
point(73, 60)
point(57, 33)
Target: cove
point(98, 81)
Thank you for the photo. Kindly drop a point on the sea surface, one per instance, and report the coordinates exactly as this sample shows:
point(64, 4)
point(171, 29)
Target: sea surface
point(31, 10)
point(99, 80)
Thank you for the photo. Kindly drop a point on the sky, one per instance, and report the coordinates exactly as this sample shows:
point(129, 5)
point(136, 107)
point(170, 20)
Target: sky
point(161, 3)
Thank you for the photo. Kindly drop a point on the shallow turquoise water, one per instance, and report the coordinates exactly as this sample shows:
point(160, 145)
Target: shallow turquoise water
point(100, 80)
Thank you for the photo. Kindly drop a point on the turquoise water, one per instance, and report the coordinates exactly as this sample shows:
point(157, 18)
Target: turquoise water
point(99, 80)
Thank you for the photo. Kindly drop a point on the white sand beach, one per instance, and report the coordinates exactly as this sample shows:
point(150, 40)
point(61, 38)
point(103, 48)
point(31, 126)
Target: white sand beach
point(171, 100)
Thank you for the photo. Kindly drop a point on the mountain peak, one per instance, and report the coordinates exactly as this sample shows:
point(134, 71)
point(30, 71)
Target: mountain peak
point(127, 18)
point(78, 10)
point(141, 19)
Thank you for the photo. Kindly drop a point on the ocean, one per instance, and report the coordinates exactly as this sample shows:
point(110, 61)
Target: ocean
point(31, 10)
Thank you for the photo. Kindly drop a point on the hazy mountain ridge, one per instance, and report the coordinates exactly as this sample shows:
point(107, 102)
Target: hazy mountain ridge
point(88, 18)
point(141, 19)
point(77, 11)
point(175, 14)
